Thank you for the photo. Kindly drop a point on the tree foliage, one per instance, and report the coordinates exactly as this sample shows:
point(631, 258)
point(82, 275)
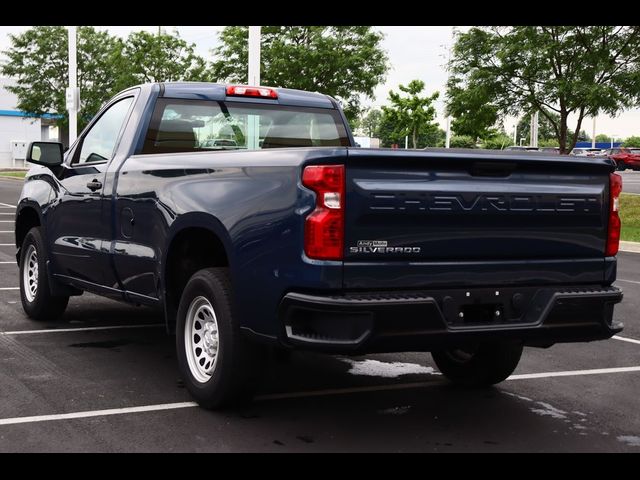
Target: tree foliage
point(151, 57)
point(370, 122)
point(38, 60)
point(411, 115)
point(632, 142)
point(580, 70)
point(345, 62)
point(462, 141)
point(473, 113)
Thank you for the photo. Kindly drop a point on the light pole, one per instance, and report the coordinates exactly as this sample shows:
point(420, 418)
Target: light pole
point(73, 93)
point(447, 142)
point(254, 56)
point(593, 134)
point(253, 78)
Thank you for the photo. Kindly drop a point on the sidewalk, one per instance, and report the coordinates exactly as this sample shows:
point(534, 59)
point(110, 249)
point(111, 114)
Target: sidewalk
point(630, 246)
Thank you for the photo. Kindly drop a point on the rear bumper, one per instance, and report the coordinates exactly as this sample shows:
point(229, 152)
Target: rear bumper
point(429, 320)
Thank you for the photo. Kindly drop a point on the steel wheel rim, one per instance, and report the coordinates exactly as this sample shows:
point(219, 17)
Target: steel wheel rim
point(201, 339)
point(30, 274)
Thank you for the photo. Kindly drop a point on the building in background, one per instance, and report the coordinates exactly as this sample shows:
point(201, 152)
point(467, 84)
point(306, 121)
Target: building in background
point(367, 142)
point(17, 130)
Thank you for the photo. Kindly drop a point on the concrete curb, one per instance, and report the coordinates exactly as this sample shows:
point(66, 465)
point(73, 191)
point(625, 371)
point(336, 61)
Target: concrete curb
point(6, 177)
point(633, 247)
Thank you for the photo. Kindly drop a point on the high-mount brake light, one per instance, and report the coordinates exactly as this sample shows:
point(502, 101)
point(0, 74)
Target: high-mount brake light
point(613, 230)
point(324, 227)
point(245, 91)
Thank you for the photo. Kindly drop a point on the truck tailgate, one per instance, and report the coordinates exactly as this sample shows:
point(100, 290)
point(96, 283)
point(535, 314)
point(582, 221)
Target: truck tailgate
point(423, 218)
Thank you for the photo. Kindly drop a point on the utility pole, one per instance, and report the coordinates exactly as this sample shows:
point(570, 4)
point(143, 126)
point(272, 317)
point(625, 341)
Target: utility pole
point(253, 78)
point(593, 134)
point(515, 133)
point(533, 131)
point(72, 93)
point(254, 56)
point(447, 142)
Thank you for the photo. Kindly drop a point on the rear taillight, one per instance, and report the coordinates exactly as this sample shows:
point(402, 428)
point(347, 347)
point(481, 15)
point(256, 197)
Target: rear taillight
point(613, 233)
point(324, 227)
point(245, 91)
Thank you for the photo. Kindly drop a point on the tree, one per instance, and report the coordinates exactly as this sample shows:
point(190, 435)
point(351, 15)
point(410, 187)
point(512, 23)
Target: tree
point(370, 123)
point(602, 138)
point(342, 61)
point(473, 113)
point(462, 141)
point(160, 58)
point(411, 115)
point(546, 130)
point(497, 142)
point(580, 70)
point(38, 61)
point(633, 142)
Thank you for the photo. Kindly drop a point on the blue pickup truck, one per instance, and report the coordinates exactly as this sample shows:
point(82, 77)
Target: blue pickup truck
point(249, 217)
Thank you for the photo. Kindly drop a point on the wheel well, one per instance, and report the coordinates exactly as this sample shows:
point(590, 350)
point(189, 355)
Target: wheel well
point(192, 249)
point(27, 219)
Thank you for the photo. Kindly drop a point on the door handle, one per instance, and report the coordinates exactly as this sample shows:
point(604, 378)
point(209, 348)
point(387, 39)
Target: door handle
point(94, 185)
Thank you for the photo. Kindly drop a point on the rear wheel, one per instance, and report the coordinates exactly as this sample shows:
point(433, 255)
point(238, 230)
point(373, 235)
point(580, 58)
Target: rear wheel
point(621, 166)
point(35, 294)
point(480, 365)
point(218, 364)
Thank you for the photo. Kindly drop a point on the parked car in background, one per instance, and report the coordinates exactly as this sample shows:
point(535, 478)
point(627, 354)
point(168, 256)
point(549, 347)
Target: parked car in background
point(625, 157)
point(586, 152)
point(219, 143)
point(550, 149)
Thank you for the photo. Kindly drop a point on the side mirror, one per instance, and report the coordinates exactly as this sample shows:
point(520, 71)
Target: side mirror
point(48, 154)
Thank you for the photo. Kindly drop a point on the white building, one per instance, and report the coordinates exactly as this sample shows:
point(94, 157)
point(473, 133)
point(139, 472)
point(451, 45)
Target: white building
point(16, 127)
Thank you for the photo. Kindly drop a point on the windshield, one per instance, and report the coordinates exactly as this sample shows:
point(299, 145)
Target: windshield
point(188, 125)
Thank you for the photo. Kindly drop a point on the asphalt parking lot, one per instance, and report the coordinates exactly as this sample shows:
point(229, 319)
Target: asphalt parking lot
point(631, 181)
point(105, 379)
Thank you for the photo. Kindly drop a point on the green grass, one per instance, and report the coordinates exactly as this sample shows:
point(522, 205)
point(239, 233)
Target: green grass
point(630, 216)
point(13, 174)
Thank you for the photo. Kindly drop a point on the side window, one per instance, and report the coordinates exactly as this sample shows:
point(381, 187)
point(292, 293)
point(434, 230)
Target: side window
point(99, 143)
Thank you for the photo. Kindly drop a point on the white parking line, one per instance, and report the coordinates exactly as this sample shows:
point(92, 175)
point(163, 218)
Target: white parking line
point(81, 329)
point(628, 281)
point(625, 339)
point(6, 205)
point(6, 221)
point(9, 288)
point(6, 231)
point(574, 373)
point(7, 213)
point(7, 245)
point(96, 413)
point(280, 396)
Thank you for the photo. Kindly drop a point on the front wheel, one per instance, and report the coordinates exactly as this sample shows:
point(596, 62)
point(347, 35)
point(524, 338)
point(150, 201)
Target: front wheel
point(621, 166)
point(219, 366)
point(480, 365)
point(37, 301)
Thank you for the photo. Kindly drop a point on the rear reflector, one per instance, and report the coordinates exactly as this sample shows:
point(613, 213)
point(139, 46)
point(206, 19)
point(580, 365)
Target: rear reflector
point(244, 91)
point(613, 233)
point(324, 227)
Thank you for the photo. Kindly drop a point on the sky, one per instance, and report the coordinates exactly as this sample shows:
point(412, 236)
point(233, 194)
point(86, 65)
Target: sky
point(415, 52)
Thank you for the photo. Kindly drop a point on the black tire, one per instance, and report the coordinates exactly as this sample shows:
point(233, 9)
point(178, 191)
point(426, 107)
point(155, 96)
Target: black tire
point(39, 305)
point(238, 364)
point(483, 365)
point(621, 166)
